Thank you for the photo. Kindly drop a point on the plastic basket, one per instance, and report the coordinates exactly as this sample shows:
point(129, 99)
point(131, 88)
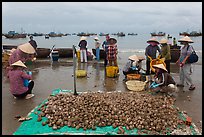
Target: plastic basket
point(112, 71)
point(81, 73)
point(135, 85)
point(133, 76)
point(155, 62)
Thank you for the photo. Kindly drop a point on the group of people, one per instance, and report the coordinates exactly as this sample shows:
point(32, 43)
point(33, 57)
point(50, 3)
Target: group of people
point(162, 77)
point(17, 73)
point(109, 46)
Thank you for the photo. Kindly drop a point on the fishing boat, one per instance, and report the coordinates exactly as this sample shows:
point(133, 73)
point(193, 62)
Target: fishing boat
point(175, 54)
point(14, 35)
point(8, 46)
point(65, 52)
point(120, 34)
point(132, 33)
point(53, 34)
point(47, 36)
point(184, 34)
point(103, 34)
point(195, 34)
point(83, 34)
point(102, 53)
point(158, 34)
point(42, 52)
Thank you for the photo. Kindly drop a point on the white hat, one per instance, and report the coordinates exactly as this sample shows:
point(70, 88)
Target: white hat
point(96, 38)
point(185, 39)
point(153, 40)
point(27, 48)
point(163, 41)
point(83, 38)
point(134, 57)
point(19, 63)
point(161, 66)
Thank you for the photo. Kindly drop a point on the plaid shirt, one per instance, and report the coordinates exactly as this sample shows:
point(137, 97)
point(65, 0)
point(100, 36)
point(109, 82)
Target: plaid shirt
point(112, 52)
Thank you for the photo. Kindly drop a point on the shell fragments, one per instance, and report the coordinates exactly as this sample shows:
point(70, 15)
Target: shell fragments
point(122, 110)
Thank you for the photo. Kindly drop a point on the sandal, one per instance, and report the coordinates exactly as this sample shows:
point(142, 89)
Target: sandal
point(29, 96)
point(192, 87)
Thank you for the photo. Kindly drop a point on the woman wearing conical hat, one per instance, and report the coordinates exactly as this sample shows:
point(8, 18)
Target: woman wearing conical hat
point(97, 46)
point(22, 53)
point(151, 51)
point(83, 49)
point(165, 53)
point(185, 67)
point(162, 78)
point(16, 78)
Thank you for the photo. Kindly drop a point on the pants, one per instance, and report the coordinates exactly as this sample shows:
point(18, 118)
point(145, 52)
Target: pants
point(148, 68)
point(97, 54)
point(167, 62)
point(29, 91)
point(185, 74)
point(105, 60)
point(83, 55)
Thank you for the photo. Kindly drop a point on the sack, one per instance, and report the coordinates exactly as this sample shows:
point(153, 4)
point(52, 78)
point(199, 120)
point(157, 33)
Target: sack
point(193, 57)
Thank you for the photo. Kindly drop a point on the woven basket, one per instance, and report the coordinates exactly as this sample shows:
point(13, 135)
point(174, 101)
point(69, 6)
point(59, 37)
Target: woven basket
point(133, 76)
point(135, 85)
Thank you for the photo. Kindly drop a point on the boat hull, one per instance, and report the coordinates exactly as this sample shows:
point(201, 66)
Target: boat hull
point(42, 52)
point(175, 54)
point(102, 53)
point(15, 36)
point(65, 52)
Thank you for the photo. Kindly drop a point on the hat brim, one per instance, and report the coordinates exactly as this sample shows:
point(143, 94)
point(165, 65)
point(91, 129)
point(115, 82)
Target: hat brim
point(185, 41)
point(153, 41)
point(160, 68)
point(112, 41)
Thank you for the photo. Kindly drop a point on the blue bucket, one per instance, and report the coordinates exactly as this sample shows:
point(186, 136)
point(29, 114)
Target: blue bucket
point(55, 56)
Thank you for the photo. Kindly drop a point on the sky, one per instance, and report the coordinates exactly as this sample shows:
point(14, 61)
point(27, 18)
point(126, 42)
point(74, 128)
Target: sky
point(106, 17)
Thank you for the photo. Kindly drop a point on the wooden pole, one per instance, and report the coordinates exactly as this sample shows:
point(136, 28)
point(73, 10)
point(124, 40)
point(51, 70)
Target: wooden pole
point(74, 69)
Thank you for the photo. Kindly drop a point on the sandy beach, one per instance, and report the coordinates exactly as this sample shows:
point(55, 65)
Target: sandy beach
point(49, 75)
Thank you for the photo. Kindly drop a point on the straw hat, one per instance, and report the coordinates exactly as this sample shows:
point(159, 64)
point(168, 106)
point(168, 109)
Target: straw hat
point(27, 48)
point(185, 39)
point(112, 41)
point(161, 66)
point(19, 63)
point(96, 38)
point(141, 58)
point(83, 38)
point(153, 40)
point(163, 41)
point(134, 57)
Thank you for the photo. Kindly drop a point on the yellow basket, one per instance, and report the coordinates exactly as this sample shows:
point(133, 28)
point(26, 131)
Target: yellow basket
point(133, 76)
point(5, 57)
point(155, 62)
point(112, 71)
point(135, 85)
point(78, 54)
point(81, 73)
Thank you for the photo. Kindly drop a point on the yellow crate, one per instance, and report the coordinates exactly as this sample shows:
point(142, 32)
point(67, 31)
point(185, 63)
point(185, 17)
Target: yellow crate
point(112, 71)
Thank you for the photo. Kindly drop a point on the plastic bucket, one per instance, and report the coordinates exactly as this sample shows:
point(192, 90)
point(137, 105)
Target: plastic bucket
point(112, 71)
point(55, 56)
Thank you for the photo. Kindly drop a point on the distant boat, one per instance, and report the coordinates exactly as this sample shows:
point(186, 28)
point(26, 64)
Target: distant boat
point(14, 35)
point(103, 34)
point(158, 34)
point(53, 34)
point(132, 33)
point(47, 36)
point(8, 46)
point(184, 34)
point(120, 34)
point(168, 36)
point(83, 34)
point(195, 34)
point(36, 34)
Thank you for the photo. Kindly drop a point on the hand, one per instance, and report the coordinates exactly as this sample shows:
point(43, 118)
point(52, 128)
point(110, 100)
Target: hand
point(181, 64)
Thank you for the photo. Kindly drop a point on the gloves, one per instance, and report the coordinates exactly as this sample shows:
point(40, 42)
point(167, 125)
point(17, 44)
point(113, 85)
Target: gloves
point(134, 68)
point(29, 73)
point(154, 85)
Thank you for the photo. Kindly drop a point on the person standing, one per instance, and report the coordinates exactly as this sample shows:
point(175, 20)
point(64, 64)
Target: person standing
point(16, 77)
point(165, 53)
point(112, 52)
point(185, 67)
point(105, 48)
point(151, 51)
point(83, 49)
point(33, 42)
point(97, 46)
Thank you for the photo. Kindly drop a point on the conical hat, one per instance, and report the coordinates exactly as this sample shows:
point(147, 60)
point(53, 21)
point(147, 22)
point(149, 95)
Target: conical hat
point(83, 38)
point(185, 39)
point(163, 41)
point(27, 48)
point(112, 41)
point(96, 38)
point(161, 66)
point(141, 57)
point(153, 40)
point(19, 63)
point(134, 57)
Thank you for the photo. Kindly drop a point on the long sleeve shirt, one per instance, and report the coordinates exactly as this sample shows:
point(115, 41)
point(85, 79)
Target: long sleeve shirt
point(165, 79)
point(165, 52)
point(16, 78)
point(152, 51)
point(18, 55)
point(82, 44)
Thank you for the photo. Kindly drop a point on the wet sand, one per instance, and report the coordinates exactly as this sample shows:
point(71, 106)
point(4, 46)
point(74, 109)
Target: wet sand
point(49, 76)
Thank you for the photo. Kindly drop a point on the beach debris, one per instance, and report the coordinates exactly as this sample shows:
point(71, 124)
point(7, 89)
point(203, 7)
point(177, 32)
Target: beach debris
point(24, 119)
point(17, 117)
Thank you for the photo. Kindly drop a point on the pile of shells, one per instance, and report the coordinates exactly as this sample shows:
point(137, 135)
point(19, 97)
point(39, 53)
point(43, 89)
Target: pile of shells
point(117, 109)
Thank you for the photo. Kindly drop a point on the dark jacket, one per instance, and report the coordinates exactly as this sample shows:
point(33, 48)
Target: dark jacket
point(82, 44)
point(165, 79)
point(33, 43)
